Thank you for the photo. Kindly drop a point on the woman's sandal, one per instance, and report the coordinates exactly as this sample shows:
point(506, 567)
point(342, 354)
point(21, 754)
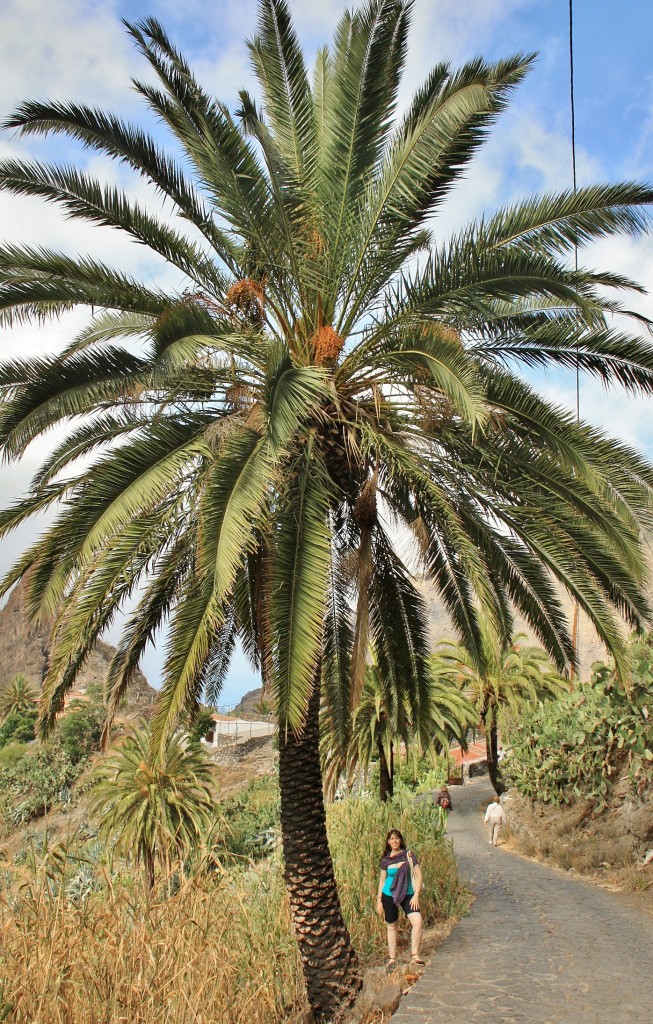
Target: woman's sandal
point(417, 961)
point(391, 966)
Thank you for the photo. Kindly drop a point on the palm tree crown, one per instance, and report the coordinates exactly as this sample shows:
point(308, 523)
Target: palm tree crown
point(329, 371)
point(314, 371)
point(388, 716)
point(153, 809)
point(505, 682)
point(16, 696)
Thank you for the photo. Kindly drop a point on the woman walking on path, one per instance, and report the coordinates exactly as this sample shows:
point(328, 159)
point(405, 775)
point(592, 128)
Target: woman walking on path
point(400, 883)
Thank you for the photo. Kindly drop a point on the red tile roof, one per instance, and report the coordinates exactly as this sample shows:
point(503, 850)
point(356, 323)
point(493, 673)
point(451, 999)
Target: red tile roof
point(475, 752)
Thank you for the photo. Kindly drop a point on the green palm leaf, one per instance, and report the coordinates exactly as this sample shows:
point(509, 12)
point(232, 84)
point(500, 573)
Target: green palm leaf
point(299, 581)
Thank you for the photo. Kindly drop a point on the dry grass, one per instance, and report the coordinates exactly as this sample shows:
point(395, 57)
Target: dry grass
point(572, 839)
point(218, 951)
point(213, 952)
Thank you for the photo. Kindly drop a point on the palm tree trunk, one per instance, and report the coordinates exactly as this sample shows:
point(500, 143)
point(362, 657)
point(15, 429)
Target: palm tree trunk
point(386, 774)
point(331, 968)
point(493, 766)
point(149, 869)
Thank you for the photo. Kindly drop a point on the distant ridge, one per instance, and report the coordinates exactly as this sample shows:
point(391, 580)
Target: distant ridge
point(247, 703)
point(24, 649)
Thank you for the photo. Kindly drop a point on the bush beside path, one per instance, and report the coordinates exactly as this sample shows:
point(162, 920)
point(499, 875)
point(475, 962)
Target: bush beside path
point(537, 947)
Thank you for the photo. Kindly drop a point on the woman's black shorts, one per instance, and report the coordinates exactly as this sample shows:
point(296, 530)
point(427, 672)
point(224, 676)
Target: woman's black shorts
point(391, 910)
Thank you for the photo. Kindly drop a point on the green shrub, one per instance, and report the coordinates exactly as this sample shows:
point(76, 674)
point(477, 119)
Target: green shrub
point(357, 831)
point(11, 753)
point(250, 822)
point(202, 723)
point(412, 775)
point(34, 782)
point(79, 731)
point(18, 727)
point(582, 744)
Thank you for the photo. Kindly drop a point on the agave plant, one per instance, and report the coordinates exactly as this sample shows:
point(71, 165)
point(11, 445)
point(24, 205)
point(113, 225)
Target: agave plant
point(153, 809)
point(327, 369)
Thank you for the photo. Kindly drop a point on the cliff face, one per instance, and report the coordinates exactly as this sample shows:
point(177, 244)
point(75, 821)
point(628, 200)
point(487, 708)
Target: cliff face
point(24, 649)
point(590, 648)
point(248, 702)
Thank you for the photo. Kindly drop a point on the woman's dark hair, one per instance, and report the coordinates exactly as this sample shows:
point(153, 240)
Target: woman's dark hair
point(393, 832)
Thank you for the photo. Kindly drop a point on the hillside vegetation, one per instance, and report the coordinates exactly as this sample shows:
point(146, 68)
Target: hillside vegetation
point(84, 941)
point(94, 931)
point(582, 772)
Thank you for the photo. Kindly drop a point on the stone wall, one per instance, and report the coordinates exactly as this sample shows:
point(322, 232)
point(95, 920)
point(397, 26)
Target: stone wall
point(230, 753)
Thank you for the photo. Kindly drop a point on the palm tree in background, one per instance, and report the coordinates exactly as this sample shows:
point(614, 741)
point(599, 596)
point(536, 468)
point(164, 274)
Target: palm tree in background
point(504, 682)
point(154, 809)
point(17, 696)
point(387, 717)
point(243, 453)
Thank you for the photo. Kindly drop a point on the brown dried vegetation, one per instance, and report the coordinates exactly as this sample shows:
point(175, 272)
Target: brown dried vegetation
point(365, 512)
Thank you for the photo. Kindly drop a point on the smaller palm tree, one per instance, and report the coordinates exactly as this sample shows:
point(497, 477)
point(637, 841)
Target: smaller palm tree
point(154, 809)
point(395, 713)
point(513, 675)
point(17, 697)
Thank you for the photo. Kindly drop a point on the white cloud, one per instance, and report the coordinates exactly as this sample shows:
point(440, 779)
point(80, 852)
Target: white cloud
point(620, 414)
point(454, 30)
point(539, 150)
point(72, 49)
point(632, 257)
point(65, 49)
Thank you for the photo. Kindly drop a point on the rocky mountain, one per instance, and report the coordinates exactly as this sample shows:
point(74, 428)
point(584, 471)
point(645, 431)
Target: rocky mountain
point(24, 649)
point(248, 702)
point(590, 648)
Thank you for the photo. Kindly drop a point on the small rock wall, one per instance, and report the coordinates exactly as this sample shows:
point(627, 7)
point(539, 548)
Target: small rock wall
point(230, 753)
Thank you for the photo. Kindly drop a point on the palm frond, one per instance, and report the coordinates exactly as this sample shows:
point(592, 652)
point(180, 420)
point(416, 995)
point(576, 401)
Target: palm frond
point(85, 198)
point(109, 134)
point(300, 563)
point(278, 64)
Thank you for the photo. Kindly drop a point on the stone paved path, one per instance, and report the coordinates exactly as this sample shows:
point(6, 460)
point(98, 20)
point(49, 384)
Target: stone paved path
point(539, 947)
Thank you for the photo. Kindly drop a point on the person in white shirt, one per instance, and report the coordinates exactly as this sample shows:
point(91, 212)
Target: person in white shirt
point(495, 817)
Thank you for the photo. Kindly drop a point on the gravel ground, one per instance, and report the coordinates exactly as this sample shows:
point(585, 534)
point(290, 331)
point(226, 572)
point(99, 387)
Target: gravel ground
point(538, 947)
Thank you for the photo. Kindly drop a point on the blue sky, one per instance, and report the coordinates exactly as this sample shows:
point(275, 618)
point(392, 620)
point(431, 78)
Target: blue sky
point(78, 49)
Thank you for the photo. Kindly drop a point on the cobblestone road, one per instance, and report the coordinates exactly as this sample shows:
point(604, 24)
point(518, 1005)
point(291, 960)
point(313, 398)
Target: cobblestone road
point(538, 947)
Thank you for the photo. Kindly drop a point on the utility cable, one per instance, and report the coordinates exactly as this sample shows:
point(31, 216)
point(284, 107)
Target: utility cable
point(575, 616)
point(572, 110)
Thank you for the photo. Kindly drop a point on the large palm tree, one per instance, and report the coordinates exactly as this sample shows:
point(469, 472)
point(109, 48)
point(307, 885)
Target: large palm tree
point(508, 679)
point(388, 716)
point(153, 809)
point(326, 370)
